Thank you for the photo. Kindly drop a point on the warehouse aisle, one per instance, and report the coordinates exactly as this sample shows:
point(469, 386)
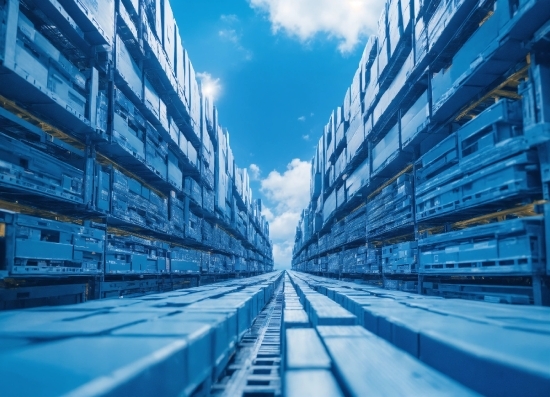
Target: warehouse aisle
point(397, 343)
point(169, 344)
point(281, 334)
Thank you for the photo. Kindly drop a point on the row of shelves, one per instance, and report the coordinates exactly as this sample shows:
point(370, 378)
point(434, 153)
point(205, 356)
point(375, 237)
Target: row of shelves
point(427, 158)
point(105, 122)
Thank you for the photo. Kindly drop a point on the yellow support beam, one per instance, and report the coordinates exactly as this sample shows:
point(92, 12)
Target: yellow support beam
point(36, 121)
point(104, 160)
point(498, 92)
point(389, 182)
point(24, 209)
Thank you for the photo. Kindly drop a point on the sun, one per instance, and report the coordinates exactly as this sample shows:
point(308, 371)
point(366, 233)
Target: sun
point(210, 86)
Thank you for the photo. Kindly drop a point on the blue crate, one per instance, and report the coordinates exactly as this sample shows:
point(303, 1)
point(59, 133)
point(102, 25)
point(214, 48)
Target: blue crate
point(392, 208)
point(373, 261)
point(479, 62)
point(134, 203)
point(177, 215)
point(208, 177)
point(135, 255)
point(304, 350)
point(415, 377)
point(508, 180)
point(42, 247)
point(445, 21)
point(415, 119)
point(355, 141)
point(156, 151)
point(102, 112)
point(94, 18)
point(193, 190)
point(509, 247)
point(385, 150)
point(400, 258)
point(440, 158)
point(127, 69)
point(536, 104)
point(193, 229)
point(64, 79)
point(324, 311)
point(421, 41)
point(102, 189)
point(27, 169)
point(175, 174)
point(359, 178)
point(208, 200)
point(151, 98)
point(129, 112)
point(329, 206)
point(184, 260)
point(129, 139)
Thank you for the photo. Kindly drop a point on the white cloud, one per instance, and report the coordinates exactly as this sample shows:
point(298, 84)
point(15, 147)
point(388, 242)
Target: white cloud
point(267, 213)
point(305, 137)
point(302, 118)
point(229, 18)
point(254, 171)
point(211, 87)
point(289, 190)
point(347, 21)
point(287, 195)
point(282, 254)
point(232, 32)
point(229, 35)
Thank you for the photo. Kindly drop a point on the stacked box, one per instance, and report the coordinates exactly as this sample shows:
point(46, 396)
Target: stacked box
point(129, 126)
point(194, 229)
point(333, 263)
point(356, 225)
point(374, 260)
point(193, 190)
point(132, 254)
point(392, 208)
point(184, 260)
point(511, 247)
point(415, 119)
point(40, 62)
point(400, 258)
point(128, 69)
point(174, 172)
point(122, 112)
point(135, 203)
point(208, 200)
point(385, 150)
point(24, 167)
point(177, 215)
point(338, 234)
point(486, 161)
point(156, 152)
point(349, 261)
point(46, 247)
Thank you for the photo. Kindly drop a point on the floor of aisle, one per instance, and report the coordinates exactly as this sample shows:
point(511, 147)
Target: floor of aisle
point(280, 334)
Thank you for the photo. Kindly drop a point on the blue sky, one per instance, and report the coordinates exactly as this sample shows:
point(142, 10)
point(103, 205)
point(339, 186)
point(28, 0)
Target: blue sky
point(280, 67)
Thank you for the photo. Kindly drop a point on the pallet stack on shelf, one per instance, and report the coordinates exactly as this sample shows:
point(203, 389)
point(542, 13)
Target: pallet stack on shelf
point(113, 162)
point(449, 156)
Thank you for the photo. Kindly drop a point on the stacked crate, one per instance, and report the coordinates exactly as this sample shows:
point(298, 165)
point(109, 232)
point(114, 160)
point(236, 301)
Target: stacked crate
point(102, 118)
point(450, 144)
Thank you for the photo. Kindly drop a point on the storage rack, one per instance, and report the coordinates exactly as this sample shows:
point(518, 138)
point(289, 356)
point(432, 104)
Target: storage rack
point(116, 177)
point(443, 140)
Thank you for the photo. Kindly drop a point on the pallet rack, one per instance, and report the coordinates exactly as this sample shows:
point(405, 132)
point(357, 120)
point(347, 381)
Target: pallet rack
point(452, 98)
point(104, 128)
